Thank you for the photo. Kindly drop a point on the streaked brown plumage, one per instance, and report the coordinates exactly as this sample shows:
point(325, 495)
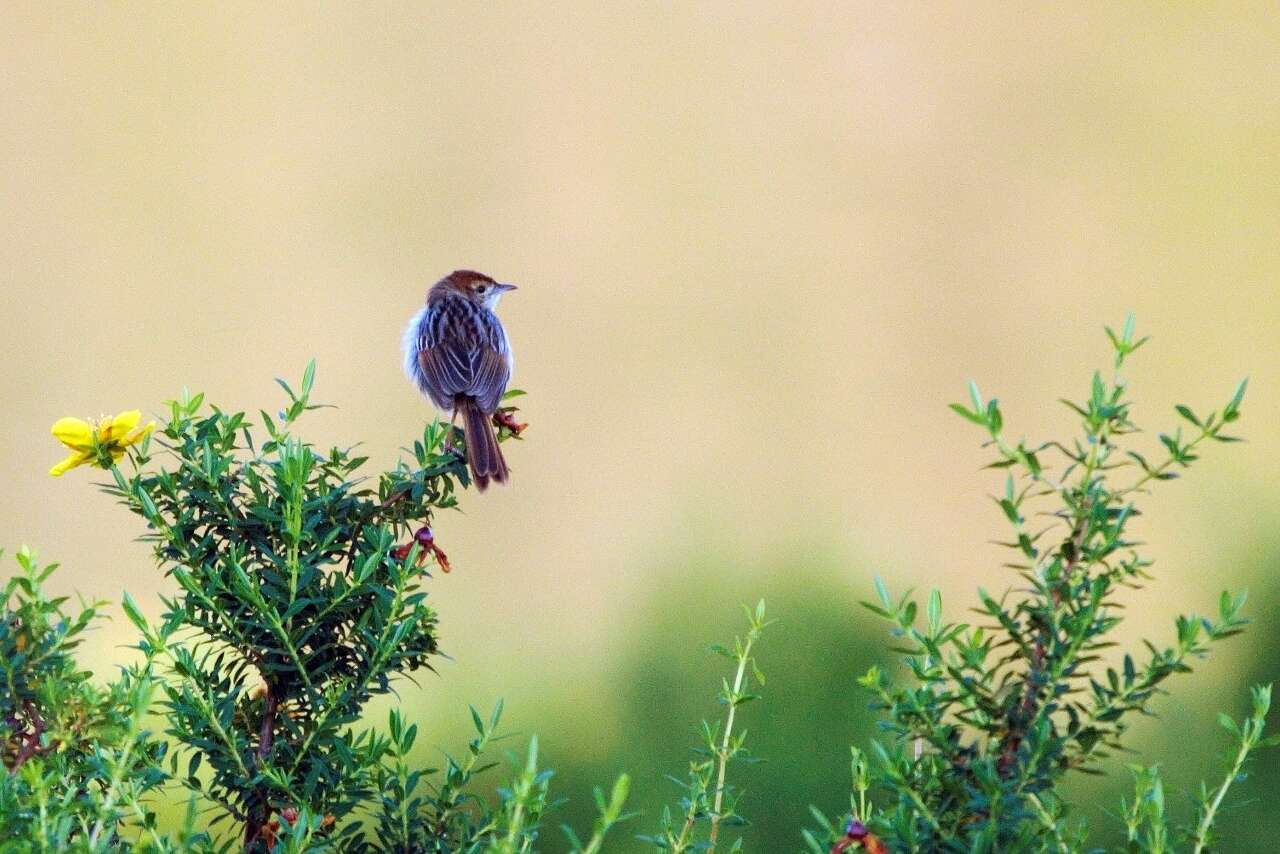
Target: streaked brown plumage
point(456, 352)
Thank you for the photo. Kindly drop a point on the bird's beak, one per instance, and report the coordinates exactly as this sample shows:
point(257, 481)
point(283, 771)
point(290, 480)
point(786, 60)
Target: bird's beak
point(502, 289)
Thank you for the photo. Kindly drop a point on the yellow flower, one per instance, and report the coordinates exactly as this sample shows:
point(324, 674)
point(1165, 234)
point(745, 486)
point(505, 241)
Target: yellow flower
point(102, 443)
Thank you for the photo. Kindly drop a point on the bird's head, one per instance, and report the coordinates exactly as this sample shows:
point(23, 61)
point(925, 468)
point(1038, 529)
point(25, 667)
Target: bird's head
point(474, 286)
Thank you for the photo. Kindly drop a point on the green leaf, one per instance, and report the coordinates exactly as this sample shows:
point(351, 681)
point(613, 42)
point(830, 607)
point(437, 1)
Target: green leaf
point(1232, 412)
point(135, 616)
point(1010, 511)
point(1186, 413)
point(309, 378)
point(995, 421)
point(284, 385)
point(882, 592)
point(975, 397)
point(1098, 392)
point(721, 649)
point(965, 413)
point(878, 611)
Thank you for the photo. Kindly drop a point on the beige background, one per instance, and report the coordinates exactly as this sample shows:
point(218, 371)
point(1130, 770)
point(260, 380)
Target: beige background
point(758, 249)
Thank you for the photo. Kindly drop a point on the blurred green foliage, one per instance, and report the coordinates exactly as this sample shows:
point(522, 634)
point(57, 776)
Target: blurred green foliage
point(810, 708)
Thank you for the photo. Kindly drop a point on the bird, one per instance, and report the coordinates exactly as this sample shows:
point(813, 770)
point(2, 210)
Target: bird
point(457, 353)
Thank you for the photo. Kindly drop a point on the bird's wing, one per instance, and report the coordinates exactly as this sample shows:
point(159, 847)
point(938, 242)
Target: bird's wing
point(451, 368)
point(447, 368)
point(490, 380)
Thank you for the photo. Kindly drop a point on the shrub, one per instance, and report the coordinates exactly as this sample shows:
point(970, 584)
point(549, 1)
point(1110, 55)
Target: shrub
point(995, 715)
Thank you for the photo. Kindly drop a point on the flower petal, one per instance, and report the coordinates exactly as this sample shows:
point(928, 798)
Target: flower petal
point(75, 433)
point(137, 435)
point(78, 458)
point(117, 428)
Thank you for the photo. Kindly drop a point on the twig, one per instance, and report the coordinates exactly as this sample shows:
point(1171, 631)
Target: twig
point(1202, 831)
point(722, 756)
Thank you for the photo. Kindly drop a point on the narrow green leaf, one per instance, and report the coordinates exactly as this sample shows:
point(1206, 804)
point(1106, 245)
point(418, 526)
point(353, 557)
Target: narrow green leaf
point(135, 616)
point(882, 592)
point(1186, 413)
point(309, 378)
point(975, 397)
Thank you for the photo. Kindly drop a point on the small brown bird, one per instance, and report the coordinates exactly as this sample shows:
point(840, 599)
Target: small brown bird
point(456, 352)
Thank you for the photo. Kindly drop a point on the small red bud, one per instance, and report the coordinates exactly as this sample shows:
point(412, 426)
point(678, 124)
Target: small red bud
point(401, 552)
point(289, 814)
point(857, 834)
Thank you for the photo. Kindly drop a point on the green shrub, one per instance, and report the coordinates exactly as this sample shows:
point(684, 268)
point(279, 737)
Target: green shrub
point(996, 714)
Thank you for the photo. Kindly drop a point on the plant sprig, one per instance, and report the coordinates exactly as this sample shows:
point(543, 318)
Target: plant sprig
point(1000, 710)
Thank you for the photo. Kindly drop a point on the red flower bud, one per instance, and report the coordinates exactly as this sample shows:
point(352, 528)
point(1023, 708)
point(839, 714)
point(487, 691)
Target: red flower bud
point(856, 833)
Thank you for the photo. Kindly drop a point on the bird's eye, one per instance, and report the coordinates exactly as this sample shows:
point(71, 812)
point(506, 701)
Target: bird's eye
point(481, 288)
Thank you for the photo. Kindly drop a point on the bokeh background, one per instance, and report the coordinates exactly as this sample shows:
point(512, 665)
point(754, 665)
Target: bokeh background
point(760, 246)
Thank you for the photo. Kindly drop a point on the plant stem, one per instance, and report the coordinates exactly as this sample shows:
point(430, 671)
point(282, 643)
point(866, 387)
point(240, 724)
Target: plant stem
point(142, 703)
point(1159, 470)
point(1202, 832)
point(31, 740)
point(681, 842)
point(1048, 821)
point(722, 755)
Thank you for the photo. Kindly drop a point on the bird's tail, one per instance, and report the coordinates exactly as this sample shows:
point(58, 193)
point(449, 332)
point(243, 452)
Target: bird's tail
point(483, 453)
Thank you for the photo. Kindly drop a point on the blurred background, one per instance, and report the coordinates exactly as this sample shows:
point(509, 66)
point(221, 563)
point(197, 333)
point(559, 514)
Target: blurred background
point(759, 249)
